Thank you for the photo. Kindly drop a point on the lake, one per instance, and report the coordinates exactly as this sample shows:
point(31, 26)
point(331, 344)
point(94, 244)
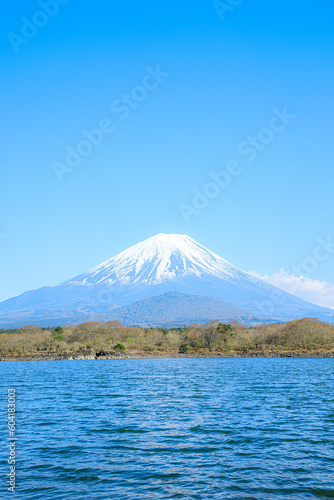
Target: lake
point(172, 428)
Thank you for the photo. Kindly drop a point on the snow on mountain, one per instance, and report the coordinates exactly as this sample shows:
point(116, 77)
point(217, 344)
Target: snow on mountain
point(161, 264)
point(161, 258)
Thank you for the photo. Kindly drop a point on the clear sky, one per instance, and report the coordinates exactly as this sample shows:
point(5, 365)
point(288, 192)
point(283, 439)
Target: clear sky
point(197, 87)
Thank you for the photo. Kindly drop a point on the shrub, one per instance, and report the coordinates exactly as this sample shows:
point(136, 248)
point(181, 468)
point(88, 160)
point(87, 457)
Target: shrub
point(57, 336)
point(31, 329)
point(226, 332)
point(210, 337)
point(119, 347)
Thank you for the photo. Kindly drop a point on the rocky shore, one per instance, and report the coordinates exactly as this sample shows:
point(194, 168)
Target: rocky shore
point(161, 355)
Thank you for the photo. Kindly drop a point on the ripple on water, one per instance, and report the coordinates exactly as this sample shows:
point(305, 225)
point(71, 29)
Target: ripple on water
point(174, 428)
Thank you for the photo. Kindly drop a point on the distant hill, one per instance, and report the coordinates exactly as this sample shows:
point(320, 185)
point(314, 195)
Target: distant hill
point(176, 309)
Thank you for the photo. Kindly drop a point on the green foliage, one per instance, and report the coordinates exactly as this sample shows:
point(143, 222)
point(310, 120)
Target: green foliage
point(226, 332)
point(57, 333)
point(119, 347)
point(224, 328)
point(180, 329)
point(57, 336)
point(184, 348)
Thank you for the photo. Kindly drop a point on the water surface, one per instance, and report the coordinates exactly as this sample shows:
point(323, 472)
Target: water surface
point(173, 428)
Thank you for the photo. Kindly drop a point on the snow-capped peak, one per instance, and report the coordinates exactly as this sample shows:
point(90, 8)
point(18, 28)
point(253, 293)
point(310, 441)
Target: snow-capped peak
point(158, 259)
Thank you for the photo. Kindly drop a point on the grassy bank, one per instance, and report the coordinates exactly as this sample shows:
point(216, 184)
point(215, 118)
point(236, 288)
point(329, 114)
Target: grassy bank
point(304, 337)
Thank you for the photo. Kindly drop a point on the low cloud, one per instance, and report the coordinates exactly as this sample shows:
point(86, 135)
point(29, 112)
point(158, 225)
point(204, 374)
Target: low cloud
point(318, 292)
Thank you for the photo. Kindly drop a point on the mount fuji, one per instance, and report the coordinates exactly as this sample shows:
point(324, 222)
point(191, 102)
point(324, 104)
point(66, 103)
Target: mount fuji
point(168, 276)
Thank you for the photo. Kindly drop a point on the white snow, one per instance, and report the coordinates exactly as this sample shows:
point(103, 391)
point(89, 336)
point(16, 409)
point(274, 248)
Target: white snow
point(161, 258)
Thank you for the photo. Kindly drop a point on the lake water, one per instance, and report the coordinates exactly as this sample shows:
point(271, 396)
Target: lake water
point(172, 429)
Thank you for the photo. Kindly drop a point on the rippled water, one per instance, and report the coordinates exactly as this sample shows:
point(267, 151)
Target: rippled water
point(173, 428)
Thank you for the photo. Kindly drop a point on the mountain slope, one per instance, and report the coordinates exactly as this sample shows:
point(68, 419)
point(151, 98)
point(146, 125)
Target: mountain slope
point(175, 309)
point(161, 264)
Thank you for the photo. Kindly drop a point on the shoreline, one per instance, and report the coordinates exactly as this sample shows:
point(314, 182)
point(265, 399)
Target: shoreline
point(176, 355)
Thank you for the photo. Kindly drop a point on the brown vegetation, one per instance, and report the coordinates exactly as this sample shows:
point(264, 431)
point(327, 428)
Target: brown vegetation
point(112, 339)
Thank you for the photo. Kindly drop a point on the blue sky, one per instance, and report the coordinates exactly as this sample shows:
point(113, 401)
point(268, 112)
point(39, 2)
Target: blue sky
point(225, 78)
